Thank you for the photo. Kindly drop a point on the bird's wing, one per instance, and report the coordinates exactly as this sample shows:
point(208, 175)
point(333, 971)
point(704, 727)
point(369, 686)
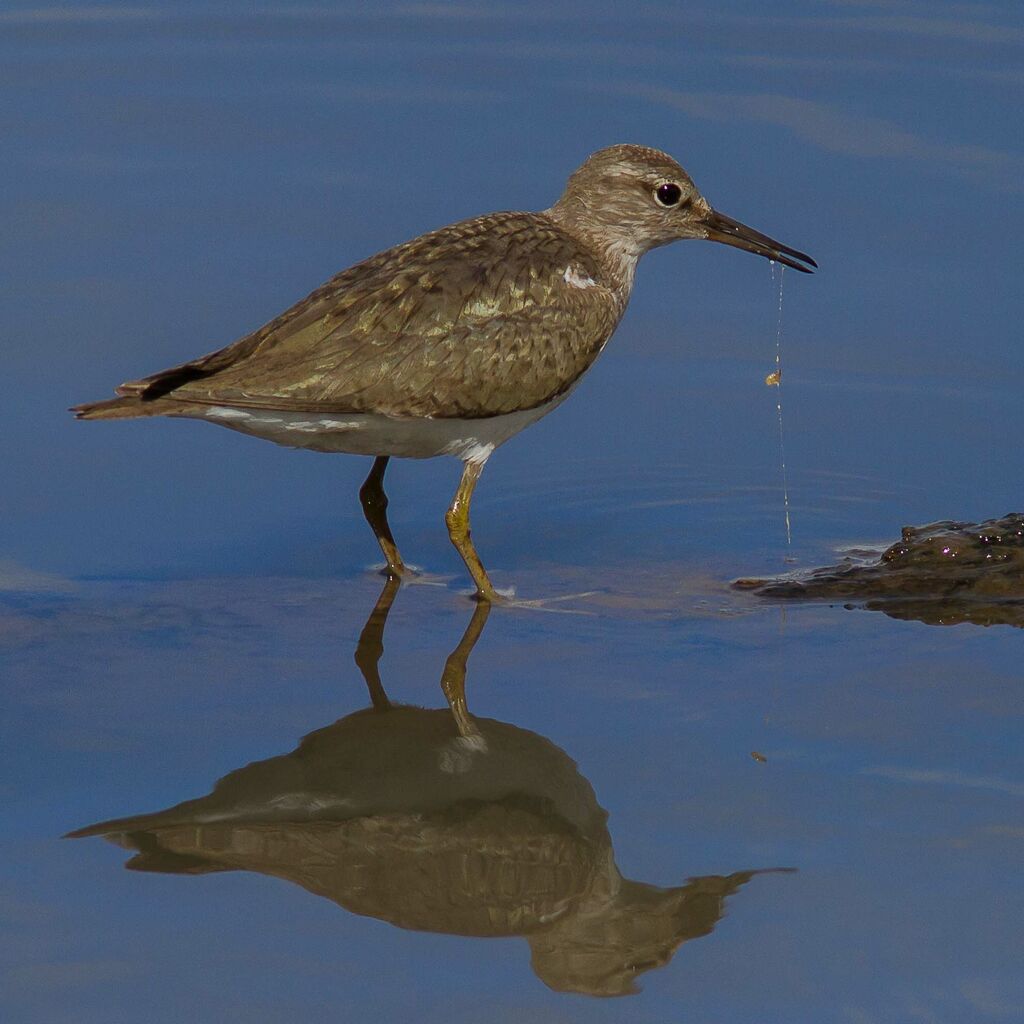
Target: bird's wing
point(480, 318)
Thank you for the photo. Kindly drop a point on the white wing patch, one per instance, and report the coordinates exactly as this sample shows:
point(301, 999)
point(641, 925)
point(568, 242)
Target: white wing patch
point(281, 421)
point(573, 276)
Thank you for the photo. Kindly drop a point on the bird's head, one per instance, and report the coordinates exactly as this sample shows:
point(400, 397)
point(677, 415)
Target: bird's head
point(638, 199)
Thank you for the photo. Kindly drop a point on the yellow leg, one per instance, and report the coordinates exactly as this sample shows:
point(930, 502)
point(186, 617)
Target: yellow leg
point(375, 508)
point(457, 518)
point(371, 644)
point(453, 679)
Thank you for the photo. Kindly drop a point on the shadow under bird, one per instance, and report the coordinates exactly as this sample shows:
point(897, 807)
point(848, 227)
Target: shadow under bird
point(453, 342)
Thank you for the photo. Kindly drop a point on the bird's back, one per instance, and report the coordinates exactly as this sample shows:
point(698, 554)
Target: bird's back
point(483, 317)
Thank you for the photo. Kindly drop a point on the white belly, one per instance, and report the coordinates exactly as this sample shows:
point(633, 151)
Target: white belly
point(374, 434)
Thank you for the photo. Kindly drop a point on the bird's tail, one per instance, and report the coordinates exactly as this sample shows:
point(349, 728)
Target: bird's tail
point(128, 407)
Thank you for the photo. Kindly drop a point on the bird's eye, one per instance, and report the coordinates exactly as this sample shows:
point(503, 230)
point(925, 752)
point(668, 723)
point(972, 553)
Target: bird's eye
point(668, 194)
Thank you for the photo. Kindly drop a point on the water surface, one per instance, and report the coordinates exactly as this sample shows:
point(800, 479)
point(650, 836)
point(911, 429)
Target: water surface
point(178, 603)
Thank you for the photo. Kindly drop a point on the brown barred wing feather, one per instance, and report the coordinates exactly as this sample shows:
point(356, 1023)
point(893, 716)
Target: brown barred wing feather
point(478, 319)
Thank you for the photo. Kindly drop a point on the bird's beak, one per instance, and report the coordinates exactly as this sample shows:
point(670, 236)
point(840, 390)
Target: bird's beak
point(724, 229)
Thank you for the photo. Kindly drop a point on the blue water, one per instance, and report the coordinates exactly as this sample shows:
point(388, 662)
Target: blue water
point(178, 602)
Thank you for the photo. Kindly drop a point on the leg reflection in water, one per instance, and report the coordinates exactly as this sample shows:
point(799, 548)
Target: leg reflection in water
point(391, 814)
point(453, 680)
point(370, 647)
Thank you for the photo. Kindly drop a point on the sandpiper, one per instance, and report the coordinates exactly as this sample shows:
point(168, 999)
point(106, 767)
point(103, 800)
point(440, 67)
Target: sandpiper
point(453, 342)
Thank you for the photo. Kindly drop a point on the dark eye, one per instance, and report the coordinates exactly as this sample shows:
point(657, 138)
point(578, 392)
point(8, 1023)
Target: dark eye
point(668, 194)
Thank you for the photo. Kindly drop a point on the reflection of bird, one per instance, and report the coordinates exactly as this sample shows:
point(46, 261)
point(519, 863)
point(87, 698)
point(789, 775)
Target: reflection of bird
point(393, 813)
point(453, 342)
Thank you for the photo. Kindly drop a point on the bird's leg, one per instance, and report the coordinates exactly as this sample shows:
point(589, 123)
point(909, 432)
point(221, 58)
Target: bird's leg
point(371, 644)
point(453, 679)
point(375, 508)
point(457, 518)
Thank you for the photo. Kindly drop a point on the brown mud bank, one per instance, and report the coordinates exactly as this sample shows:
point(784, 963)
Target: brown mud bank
point(942, 574)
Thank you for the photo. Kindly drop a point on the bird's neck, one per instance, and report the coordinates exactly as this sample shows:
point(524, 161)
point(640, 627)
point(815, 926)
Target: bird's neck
point(616, 253)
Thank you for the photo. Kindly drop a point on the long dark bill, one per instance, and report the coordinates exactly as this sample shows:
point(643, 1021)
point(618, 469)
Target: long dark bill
point(724, 229)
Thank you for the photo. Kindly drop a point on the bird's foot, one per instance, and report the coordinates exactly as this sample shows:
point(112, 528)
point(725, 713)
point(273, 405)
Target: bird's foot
point(409, 574)
point(505, 597)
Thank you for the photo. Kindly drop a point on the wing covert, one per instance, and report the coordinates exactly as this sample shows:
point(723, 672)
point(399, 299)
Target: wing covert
point(477, 319)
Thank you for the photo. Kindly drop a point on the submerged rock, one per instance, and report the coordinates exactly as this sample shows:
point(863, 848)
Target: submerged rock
point(944, 573)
